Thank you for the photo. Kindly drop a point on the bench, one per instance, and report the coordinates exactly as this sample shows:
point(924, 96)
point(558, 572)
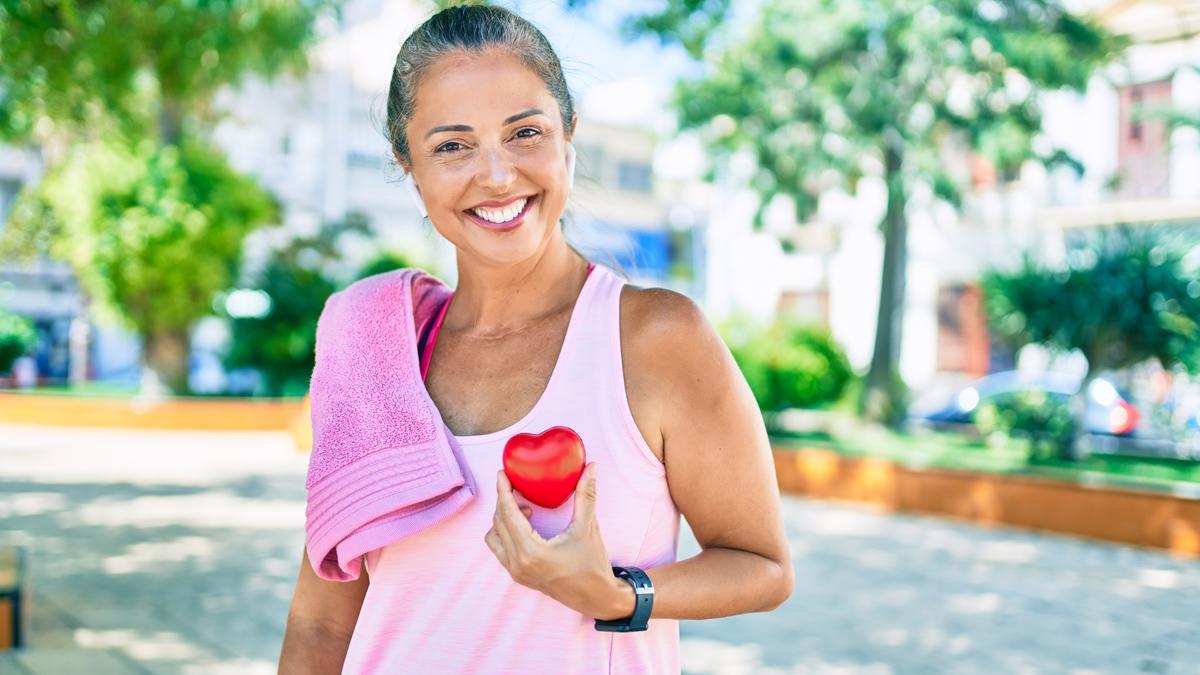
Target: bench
point(12, 578)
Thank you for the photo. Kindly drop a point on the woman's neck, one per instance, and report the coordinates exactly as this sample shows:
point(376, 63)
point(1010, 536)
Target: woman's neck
point(493, 302)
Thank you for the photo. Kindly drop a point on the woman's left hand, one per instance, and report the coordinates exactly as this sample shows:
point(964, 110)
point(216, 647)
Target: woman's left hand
point(571, 567)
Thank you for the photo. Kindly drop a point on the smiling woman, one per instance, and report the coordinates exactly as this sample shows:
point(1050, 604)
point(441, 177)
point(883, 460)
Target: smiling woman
point(492, 162)
point(535, 337)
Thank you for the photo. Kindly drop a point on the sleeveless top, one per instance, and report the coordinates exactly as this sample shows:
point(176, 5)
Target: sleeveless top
point(440, 602)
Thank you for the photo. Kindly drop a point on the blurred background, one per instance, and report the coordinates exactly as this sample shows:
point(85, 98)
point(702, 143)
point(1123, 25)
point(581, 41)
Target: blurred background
point(945, 241)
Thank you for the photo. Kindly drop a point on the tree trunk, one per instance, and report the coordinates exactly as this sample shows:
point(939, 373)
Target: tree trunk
point(166, 354)
point(170, 122)
point(166, 350)
point(883, 397)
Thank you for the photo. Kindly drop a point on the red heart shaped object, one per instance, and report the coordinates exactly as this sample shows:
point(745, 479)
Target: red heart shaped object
point(545, 467)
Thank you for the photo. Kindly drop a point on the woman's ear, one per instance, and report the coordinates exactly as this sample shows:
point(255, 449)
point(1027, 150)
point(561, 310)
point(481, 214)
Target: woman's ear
point(410, 186)
point(570, 165)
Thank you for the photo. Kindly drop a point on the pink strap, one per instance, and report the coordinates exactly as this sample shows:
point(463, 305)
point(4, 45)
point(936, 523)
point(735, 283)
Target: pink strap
point(437, 325)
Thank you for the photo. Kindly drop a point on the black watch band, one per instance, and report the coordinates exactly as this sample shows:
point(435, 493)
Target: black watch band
point(641, 610)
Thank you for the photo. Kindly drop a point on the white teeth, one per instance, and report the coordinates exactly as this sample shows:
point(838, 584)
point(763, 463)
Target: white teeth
point(501, 215)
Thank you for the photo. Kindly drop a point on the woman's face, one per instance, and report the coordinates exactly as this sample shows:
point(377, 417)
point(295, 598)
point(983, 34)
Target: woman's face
point(488, 153)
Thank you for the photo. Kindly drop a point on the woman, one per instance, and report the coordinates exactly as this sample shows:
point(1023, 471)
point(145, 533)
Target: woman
point(536, 336)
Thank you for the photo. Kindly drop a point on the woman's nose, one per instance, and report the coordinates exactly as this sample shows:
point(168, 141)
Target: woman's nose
point(497, 172)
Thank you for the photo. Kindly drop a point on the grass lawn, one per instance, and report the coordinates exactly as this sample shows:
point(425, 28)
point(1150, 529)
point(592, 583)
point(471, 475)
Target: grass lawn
point(87, 389)
point(956, 451)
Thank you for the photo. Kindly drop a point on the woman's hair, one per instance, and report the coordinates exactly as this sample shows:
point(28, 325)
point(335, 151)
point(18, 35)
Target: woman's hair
point(468, 28)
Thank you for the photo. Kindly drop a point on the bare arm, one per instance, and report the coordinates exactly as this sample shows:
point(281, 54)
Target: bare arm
point(320, 622)
point(719, 468)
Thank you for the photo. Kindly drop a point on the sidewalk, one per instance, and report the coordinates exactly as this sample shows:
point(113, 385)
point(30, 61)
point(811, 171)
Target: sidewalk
point(157, 552)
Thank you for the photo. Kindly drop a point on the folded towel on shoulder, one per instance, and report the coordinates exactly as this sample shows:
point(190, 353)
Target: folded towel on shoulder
point(383, 463)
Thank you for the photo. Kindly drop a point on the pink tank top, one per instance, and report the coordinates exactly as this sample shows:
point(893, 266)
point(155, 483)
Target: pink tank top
point(440, 602)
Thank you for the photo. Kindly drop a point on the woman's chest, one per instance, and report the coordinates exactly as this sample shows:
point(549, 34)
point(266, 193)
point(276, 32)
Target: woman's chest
point(482, 386)
point(622, 513)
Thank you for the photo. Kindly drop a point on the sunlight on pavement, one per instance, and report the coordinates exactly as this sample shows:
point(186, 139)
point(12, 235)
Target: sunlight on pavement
point(218, 509)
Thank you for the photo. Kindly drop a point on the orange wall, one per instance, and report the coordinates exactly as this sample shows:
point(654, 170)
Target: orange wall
point(1119, 515)
point(175, 413)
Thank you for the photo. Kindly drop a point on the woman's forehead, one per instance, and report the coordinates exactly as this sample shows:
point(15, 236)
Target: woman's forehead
point(482, 85)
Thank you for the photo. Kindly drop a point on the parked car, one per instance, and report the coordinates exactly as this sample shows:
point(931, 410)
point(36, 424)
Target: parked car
point(1106, 411)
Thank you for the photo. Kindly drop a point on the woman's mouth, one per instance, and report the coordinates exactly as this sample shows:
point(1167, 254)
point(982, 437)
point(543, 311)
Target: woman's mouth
point(503, 218)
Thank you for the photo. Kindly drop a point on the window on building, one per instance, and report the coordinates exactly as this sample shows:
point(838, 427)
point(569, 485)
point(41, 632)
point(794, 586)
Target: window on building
point(364, 160)
point(1143, 147)
point(633, 176)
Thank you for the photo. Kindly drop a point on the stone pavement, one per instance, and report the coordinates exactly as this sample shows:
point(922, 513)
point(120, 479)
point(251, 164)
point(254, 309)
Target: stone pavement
point(159, 552)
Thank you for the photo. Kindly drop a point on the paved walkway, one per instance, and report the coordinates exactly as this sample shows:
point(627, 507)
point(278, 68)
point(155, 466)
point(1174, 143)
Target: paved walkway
point(161, 552)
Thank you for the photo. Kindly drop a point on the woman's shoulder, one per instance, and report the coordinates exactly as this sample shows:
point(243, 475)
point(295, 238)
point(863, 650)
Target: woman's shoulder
point(665, 336)
point(661, 318)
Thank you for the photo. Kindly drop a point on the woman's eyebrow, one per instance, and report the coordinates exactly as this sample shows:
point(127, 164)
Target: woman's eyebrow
point(523, 115)
point(507, 121)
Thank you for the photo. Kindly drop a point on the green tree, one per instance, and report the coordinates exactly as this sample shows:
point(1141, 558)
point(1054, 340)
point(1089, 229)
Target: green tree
point(152, 234)
point(1129, 296)
point(88, 69)
point(820, 90)
point(116, 95)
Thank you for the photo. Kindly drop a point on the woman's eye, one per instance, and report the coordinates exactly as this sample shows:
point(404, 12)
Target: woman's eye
point(521, 132)
point(449, 146)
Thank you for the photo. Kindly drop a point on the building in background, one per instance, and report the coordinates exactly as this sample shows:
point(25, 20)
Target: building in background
point(619, 212)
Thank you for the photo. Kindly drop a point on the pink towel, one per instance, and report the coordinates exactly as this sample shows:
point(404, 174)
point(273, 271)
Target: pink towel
point(383, 465)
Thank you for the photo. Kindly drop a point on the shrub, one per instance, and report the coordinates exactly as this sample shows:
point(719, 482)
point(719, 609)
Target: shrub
point(17, 338)
point(789, 365)
point(1045, 420)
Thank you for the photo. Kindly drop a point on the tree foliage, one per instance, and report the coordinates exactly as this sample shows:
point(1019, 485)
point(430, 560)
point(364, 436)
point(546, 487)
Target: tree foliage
point(17, 338)
point(1129, 296)
point(817, 87)
point(119, 65)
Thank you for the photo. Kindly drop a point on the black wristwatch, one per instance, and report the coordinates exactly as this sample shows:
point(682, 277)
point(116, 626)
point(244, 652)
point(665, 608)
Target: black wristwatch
point(641, 610)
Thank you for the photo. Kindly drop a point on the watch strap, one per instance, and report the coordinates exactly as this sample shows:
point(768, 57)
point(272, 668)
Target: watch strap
point(644, 590)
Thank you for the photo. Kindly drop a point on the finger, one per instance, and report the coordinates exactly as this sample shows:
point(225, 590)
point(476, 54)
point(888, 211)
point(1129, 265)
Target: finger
point(526, 511)
point(508, 539)
point(585, 496)
point(493, 543)
point(512, 551)
point(507, 511)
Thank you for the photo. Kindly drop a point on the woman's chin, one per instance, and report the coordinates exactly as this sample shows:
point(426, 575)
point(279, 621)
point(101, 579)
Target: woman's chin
point(510, 246)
